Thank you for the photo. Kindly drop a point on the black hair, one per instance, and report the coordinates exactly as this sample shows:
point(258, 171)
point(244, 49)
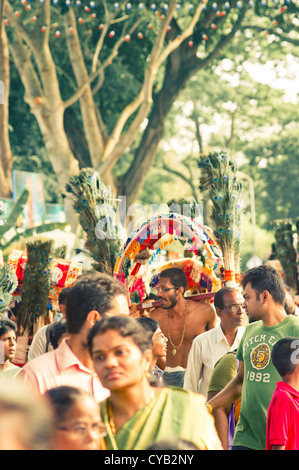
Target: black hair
point(267, 278)
point(6, 326)
point(63, 295)
point(57, 330)
point(126, 326)
point(218, 298)
point(91, 291)
point(177, 277)
point(284, 355)
point(63, 398)
point(150, 324)
point(14, 310)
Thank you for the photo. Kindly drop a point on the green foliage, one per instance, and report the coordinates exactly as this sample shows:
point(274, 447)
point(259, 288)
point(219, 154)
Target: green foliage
point(8, 284)
point(95, 204)
point(36, 285)
point(263, 241)
point(273, 164)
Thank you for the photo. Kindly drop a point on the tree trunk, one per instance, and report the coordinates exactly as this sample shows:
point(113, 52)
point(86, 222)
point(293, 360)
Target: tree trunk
point(48, 109)
point(6, 157)
point(55, 139)
point(76, 138)
point(181, 64)
point(88, 108)
point(178, 70)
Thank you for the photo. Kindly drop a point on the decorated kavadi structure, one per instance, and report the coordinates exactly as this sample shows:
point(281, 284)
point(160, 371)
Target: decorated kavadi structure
point(135, 263)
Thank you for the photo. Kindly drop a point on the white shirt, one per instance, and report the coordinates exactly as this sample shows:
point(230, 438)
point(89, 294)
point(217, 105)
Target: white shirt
point(207, 348)
point(38, 345)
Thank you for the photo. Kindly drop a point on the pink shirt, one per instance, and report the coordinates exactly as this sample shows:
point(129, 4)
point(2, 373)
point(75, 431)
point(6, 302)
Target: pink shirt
point(283, 418)
point(61, 367)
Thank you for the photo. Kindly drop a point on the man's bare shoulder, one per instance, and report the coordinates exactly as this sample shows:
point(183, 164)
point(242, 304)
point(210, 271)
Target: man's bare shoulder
point(157, 314)
point(196, 306)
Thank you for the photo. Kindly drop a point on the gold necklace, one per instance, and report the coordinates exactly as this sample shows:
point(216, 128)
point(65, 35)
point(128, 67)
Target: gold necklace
point(110, 418)
point(174, 347)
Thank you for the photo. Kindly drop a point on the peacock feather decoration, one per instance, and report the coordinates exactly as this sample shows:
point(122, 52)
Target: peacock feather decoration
point(36, 286)
point(95, 204)
point(219, 179)
point(8, 284)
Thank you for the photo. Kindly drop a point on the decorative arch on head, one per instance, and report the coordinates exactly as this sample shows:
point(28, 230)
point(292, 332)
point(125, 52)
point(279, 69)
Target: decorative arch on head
point(159, 232)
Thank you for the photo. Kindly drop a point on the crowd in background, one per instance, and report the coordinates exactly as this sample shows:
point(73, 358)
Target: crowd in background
point(96, 378)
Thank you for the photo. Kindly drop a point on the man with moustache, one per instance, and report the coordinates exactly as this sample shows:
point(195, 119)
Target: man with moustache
point(181, 320)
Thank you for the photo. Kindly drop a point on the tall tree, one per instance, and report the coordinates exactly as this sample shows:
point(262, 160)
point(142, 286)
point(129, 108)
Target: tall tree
point(181, 41)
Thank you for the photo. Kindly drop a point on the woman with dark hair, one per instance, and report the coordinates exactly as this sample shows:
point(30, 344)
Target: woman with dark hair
point(77, 419)
point(8, 344)
point(137, 414)
point(159, 345)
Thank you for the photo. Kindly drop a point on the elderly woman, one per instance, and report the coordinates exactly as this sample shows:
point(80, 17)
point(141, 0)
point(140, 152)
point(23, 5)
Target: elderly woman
point(137, 414)
point(8, 344)
point(77, 419)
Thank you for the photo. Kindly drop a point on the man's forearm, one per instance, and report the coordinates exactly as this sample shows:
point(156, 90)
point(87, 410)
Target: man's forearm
point(231, 392)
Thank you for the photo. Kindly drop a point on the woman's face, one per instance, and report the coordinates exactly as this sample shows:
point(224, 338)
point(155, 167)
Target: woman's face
point(118, 362)
point(159, 344)
point(82, 429)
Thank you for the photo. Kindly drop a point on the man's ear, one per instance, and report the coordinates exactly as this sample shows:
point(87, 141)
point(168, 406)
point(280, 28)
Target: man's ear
point(180, 290)
point(92, 317)
point(265, 296)
point(218, 311)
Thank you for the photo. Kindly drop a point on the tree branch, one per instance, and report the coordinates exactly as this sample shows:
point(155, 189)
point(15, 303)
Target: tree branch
point(13, 20)
point(108, 23)
point(186, 33)
point(182, 63)
point(115, 145)
point(273, 31)
point(183, 177)
point(100, 71)
point(26, 70)
point(224, 39)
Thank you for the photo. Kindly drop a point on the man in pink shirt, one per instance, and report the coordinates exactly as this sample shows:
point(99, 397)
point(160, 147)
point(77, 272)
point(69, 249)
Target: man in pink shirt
point(93, 296)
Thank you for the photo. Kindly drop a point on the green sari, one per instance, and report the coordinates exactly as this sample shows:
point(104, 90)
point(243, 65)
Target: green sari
point(172, 413)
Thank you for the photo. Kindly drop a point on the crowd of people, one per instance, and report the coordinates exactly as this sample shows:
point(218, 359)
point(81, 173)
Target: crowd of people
point(186, 375)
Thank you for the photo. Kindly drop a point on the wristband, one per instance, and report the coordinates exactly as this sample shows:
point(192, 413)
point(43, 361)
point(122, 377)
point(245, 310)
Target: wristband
point(210, 409)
